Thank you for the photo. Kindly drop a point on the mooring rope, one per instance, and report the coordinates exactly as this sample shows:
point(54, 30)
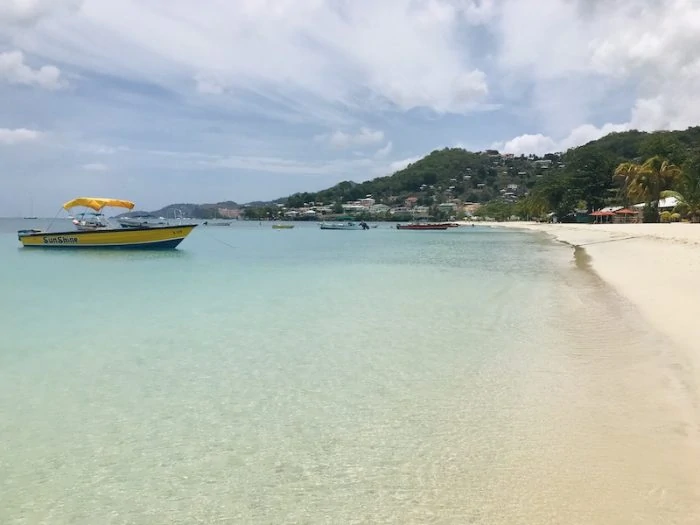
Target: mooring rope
point(607, 240)
point(219, 240)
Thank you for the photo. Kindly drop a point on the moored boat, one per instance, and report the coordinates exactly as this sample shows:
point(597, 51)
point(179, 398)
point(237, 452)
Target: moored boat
point(142, 220)
point(148, 237)
point(282, 226)
point(423, 226)
point(90, 221)
point(350, 225)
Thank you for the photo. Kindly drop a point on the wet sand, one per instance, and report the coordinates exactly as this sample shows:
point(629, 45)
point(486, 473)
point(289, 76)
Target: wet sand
point(655, 266)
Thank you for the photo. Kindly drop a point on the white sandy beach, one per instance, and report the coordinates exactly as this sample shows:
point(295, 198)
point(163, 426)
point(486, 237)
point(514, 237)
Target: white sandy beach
point(655, 266)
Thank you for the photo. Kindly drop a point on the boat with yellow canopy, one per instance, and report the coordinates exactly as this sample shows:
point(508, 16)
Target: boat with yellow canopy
point(93, 230)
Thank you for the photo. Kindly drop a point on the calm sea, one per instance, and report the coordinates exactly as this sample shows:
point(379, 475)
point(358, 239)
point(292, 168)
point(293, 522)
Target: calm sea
point(473, 376)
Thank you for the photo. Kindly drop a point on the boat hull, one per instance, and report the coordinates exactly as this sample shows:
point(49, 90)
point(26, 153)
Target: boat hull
point(344, 226)
point(149, 238)
point(340, 227)
point(422, 227)
point(130, 223)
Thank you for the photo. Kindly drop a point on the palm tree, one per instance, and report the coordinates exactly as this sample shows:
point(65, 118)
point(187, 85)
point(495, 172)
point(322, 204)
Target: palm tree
point(687, 191)
point(533, 205)
point(645, 182)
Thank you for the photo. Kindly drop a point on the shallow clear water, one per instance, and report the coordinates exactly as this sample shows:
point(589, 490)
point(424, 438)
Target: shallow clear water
point(308, 376)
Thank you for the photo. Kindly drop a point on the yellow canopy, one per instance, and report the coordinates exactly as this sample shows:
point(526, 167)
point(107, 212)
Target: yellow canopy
point(97, 203)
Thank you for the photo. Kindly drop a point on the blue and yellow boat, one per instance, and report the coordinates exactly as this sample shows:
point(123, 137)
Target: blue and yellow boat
point(99, 233)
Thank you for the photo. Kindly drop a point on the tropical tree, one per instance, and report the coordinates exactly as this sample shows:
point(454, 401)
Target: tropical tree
point(533, 205)
point(645, 182)
point(496, 209)
point(687, 191)
point(590, 176)
point(664, 144)
point(556, 192)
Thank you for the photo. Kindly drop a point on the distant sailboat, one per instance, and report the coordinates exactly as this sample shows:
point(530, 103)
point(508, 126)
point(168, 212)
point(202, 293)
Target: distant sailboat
point(31, 216)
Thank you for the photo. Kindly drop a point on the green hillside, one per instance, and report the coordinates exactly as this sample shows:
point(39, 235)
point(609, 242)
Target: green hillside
point(581, 176)
point(443, 174)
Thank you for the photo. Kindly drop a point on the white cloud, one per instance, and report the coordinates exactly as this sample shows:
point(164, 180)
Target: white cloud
point(355, 169)
point(208, 86)
point(342, 140)
point(384, 152)
point(283, 165)
point(95, 166)
point(100, 149)
point(574, 56)
point(525, 144)
point(399, 54)
point(14, 71)
point(17, 136)
point(477, 11)
point(403, 163)
point(540, 144)
point(29, 11)
point(587, 133)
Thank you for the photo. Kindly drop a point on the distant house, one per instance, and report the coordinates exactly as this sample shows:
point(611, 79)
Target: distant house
point(229, 213)
point(410, 202)
point(543, 163)
point(664, 204)
point(379, 209)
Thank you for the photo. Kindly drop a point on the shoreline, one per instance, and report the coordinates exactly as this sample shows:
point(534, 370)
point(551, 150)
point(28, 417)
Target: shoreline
point(656, 267)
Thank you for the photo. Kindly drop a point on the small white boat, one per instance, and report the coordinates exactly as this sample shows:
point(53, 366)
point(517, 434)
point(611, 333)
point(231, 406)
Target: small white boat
point(141, 221)
point(350, 225)
point(88, 222)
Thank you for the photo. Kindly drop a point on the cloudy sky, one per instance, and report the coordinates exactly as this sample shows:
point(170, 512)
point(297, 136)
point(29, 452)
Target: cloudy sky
point(167, 101)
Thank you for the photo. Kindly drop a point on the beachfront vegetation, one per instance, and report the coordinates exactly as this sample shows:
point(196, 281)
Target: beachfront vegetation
point(667, 216)
point(687, 191)
point(646, 181)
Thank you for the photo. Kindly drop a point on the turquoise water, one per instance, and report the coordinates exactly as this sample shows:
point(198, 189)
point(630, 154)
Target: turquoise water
point(307, 376)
